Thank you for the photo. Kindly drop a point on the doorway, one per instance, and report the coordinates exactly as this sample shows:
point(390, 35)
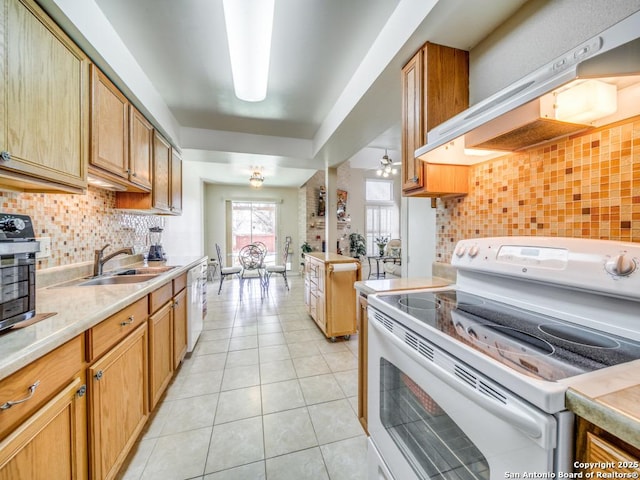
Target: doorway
point(253, 222)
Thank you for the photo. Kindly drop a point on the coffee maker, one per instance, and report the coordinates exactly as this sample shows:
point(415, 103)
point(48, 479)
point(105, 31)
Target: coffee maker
point(155, 250)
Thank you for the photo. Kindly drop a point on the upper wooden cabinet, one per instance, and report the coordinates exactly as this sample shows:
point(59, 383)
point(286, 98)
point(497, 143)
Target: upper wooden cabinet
point(140, 149)
point(166, 191)
point(161, 193)
point(121, 138)
point(44, 108)
point(435, 87)
point(176, 182)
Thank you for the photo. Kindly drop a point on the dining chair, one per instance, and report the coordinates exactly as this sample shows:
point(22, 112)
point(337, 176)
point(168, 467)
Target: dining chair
point(225, 271)
point(251, 257)
point(263, 249)
point(280, 268)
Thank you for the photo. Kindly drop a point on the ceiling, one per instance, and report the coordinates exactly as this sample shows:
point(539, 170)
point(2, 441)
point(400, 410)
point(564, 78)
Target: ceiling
point(334, 82)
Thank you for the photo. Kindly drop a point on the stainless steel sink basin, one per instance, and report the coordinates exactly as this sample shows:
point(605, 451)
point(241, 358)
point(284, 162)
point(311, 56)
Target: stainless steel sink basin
point(118, 279)
point(144, 271)
point(122, 277)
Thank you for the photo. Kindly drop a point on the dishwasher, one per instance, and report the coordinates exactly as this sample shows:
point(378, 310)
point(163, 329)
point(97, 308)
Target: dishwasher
point(196, 307)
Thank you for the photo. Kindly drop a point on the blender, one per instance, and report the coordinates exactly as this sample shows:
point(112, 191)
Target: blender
point(155, 250)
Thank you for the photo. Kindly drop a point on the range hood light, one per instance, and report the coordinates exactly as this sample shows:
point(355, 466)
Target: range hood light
point(477, 152)
point(585, 101)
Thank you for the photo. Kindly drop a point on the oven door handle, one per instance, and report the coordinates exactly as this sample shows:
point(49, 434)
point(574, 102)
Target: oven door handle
point(515, 413)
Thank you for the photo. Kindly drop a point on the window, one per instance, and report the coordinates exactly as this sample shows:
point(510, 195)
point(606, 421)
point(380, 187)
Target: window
point(253, 222)
point(382, 218)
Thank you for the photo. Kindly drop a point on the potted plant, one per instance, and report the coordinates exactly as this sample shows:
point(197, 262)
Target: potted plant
point(382, 243)
point(306, 248)
point(357, 245)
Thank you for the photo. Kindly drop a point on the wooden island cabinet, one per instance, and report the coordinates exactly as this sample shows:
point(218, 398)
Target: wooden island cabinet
point(329, 293)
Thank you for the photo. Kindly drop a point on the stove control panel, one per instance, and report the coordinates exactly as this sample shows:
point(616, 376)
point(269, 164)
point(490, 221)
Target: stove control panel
point(599, 265)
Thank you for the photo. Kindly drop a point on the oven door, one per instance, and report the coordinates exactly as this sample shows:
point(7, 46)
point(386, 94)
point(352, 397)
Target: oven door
point(431, 416)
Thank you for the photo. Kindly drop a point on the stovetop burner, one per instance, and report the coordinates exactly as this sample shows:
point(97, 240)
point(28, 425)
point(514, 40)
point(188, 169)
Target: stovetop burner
point(531, 343)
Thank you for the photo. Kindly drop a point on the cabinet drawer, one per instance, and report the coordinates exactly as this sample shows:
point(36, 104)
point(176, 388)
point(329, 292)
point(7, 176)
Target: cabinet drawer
point(110, 331)
point(50, 372)
point(160, 296)
point(179, 283)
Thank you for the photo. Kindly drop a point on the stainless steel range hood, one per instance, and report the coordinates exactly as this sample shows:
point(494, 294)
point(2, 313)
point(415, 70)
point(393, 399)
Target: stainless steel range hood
point(531, 112)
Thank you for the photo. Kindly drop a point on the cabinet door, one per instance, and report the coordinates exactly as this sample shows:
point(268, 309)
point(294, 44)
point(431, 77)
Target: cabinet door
point(363, 355)
point(435, 87)
point(160, 352)
point(52, 442)
point(161, 164)
point(109, 126)
point(412, 126)
point(119, 403)
point(179, 328)
point(176, 182)
point(140, 149)
point(44, 107)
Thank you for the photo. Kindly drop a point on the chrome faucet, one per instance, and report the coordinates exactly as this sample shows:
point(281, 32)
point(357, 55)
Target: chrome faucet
point(99, 260)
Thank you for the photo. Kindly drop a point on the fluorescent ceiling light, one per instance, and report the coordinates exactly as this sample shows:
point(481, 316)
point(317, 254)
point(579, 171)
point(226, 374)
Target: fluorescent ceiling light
point(249, 25)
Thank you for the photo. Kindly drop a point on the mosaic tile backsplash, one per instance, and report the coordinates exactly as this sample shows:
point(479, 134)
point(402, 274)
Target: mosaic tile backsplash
point(79, 224)
point(584, 186)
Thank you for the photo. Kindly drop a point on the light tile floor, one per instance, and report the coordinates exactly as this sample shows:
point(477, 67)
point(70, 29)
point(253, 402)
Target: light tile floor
point(263, 396)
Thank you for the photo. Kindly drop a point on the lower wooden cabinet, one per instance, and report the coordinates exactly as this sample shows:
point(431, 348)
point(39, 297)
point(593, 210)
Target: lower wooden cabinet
point(119, 404)
point(76, 412)
point(160, 352)
point(604, 454)
point(363, 356)
point(52, 443)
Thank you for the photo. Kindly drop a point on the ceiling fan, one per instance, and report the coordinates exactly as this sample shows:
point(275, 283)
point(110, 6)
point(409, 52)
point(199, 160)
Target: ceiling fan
point(387, 166)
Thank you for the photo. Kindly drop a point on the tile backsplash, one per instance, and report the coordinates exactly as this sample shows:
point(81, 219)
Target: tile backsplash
point(79, 224)
point(585, 186)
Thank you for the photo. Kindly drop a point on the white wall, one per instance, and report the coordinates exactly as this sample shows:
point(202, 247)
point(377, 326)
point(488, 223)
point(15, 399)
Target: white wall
point(184, 235)
point(418, 237)
point(216, 195)
point(539, 32)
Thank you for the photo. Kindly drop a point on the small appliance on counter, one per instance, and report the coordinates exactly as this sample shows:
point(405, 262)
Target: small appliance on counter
point(156, 253)
point(18, 248)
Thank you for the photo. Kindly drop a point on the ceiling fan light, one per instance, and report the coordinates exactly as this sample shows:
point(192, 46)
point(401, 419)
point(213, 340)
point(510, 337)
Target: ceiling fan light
point(394, 171)
point(379, 172)
point(249, 25)
point(256, 180)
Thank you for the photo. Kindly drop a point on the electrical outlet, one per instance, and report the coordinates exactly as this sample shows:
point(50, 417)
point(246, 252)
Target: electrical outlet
point(45, 247)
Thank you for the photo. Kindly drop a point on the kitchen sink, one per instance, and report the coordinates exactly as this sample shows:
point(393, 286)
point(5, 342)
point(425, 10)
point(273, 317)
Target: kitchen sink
point(144, 271)
point(118, 279)
point(121, 277)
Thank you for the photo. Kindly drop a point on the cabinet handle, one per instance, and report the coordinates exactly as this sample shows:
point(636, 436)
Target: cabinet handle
point(98, 375)
point(82, 390)
point(176, 303)
point(414, 179)
point(127, 171)
point(129, 321)
point(32, 390)
point(134, 174)
point(5, 156)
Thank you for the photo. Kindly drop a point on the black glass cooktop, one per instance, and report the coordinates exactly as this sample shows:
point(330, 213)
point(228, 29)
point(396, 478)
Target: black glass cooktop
point(534, 344)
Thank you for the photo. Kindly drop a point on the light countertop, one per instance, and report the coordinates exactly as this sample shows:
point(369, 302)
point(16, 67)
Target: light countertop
point(328, 257)
point(369, 287)
point(76, 310)
point(610, 399)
